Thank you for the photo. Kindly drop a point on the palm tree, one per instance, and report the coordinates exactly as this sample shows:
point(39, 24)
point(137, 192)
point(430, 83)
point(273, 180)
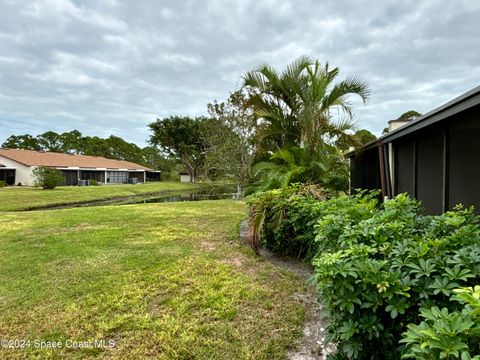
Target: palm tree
point(276, 102)
point(298, 105)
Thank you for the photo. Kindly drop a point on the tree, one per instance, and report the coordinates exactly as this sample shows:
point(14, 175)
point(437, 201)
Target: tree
point(27, 142)
point(364, 136)
point(180, 137)
point(229, 138)
point(301, 116)
point(299, 105)
point(73, 142)
point(409, 115)
point(50, 141)
point(167, 165)
point(47, 178)
point(296, 165)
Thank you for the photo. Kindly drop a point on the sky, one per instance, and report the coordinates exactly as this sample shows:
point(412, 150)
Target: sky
point(112, 67)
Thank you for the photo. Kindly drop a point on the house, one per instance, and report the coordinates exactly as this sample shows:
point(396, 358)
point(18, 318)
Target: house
point(17, 165)
point(433, 158)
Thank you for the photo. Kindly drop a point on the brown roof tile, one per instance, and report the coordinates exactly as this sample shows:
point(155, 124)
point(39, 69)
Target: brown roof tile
point(53, 159)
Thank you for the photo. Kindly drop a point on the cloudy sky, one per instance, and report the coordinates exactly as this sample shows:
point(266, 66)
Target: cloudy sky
point(111, 67)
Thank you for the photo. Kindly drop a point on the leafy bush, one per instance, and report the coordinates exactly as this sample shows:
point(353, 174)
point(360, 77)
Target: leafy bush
point(2, 184)
point(444, 334)
point(283, 220)
point(94, 182)
point(47, 178)
point(379, 269)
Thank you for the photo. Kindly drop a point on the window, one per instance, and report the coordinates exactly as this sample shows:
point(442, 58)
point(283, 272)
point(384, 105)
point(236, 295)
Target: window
point(118, 177)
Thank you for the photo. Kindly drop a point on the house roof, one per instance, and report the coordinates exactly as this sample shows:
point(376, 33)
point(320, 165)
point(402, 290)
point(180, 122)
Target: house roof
point(463, 102)
point(60, 160)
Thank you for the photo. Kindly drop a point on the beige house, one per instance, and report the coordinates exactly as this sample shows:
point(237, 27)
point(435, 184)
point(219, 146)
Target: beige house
point(17, 165)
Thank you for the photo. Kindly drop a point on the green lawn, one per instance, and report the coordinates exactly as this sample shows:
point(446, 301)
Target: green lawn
point(22, 198)
point(167, 281)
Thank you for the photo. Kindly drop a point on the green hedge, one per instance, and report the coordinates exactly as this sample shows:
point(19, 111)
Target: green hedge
point(283, 220)
point(384, 272)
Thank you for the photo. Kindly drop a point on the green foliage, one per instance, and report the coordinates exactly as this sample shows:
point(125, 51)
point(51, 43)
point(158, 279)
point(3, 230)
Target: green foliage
point(2, 184)
point(181, 137)
point(47, 178)
point(297, 106)
point(229, 139)
point(379, 269)
point(303, 117)
point(94, 182)
point(445, 334)
point(298, 165)
point(409, 115)
point(364, 136)
point(282, 220)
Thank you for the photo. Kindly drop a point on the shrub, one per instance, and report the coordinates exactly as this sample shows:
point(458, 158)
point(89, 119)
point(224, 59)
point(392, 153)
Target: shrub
point(94, 182)
point(379, 269)
point(47, 178)
point(2, 184)
point(283, 220)
point(444, 334)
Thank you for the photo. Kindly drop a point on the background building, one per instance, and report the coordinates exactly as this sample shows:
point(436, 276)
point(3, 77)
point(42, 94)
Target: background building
point(16, 167)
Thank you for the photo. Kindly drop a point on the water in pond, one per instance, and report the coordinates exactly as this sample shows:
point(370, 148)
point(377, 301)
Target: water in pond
point(215, 193)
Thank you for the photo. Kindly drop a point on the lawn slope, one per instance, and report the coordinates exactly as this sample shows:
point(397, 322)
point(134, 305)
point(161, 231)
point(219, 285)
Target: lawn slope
point(167, 281)
point(24, 198)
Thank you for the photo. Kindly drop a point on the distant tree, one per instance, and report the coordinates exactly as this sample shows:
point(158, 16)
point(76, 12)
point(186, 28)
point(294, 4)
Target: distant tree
point(180, 137)
point(123, 150)
point(96, 146)
point(73, 142)
point(229, 138)
point(364, 136)
point(167, 165)
point(358, 139)
point(26, 142)
point(47, 178)
point(50, 141)
point(409, 115)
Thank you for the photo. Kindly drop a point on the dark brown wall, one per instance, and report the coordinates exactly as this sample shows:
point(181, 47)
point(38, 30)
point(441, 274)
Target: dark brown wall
point(464, 165)
point(365, 171)
point(438, 165)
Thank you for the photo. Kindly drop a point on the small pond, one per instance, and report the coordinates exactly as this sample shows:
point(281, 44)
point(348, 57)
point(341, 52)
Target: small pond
point(215, 193)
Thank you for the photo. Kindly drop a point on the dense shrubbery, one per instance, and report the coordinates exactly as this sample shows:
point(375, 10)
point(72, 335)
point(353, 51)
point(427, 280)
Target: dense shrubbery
point(2, 184)
point(47, 178)
point(282, 220)
point(378, 273)
point(381, 268)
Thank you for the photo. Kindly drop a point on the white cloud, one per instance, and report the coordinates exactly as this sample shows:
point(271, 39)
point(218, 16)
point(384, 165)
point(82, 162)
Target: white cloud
point(114, 66)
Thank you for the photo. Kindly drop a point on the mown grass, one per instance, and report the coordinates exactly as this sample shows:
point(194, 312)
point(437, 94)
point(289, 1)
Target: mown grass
point(166, 281)
point(24, 198)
